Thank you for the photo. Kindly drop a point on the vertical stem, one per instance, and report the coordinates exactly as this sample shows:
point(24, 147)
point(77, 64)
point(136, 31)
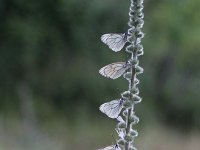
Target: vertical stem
point(128, 128)
point(135, 34)
point(131, 110)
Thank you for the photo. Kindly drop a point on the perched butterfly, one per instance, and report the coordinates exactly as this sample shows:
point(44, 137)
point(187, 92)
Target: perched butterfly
point(113, 108)
point(114, 41)
point(112, 147)
point(114, 70)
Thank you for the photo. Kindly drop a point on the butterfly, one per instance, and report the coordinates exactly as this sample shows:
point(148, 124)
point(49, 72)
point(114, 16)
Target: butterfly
point(114, 41)
point(114, 70)
point(113, 108)
point(112, 147)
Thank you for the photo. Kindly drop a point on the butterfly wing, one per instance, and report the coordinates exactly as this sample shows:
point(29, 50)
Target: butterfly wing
point(114, 41)
point(112, 147)
point(108, 148)
point(112, 109)
point(114, 70)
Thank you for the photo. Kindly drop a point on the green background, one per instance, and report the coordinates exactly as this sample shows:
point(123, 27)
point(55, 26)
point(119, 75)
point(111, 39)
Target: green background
point(50, 89)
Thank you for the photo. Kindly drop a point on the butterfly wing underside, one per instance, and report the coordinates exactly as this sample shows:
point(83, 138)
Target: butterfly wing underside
point(107, 148)
point(114, 70)
point(112, 109)
point(112, 147)
point(114, 41)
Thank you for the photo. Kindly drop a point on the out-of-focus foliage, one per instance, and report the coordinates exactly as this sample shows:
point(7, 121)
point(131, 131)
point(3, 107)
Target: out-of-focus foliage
point(172, 49)
point(50, 54)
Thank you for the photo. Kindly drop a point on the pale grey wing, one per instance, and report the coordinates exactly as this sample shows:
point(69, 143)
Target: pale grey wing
point(112, 147)
point(118, 73)
point(114, 70)
point(114, 41)
point(112, 109)
point(117, 148)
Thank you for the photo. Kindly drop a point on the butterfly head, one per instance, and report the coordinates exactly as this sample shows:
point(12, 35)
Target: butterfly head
point(127, 64)
point(126, 35)
point(122, 100)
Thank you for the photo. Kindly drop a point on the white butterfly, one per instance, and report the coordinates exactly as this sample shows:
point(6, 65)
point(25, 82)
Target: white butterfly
point(113, 108)
point(114, 70)
point(114, 41)
point(112, 147)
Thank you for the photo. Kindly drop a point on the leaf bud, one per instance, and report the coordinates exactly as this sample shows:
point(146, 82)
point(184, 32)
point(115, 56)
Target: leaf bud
point(134, 90)
point(121, 125)
point(121, 142)
point(127, 104)
point(136, 99)
point(126, 95)
point(133, 133)
point(139, 70)
point(129, 138)
point(134, 119)
point(128, 75)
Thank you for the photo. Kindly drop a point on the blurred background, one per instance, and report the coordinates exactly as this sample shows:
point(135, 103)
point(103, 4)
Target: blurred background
point(50, 89)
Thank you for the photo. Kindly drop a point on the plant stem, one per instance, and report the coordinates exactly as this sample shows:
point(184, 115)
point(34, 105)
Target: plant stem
point(135, 36)
point(131, 110)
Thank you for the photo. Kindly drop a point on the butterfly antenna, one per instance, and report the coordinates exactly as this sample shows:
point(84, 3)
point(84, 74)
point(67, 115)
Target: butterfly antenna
point(126, 62)
point(126, 34)
point(122, 99)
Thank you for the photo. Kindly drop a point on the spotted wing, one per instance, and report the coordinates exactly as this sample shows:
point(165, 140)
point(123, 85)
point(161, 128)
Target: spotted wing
point(112, 109)
point(114, 70)
point(114, 41)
